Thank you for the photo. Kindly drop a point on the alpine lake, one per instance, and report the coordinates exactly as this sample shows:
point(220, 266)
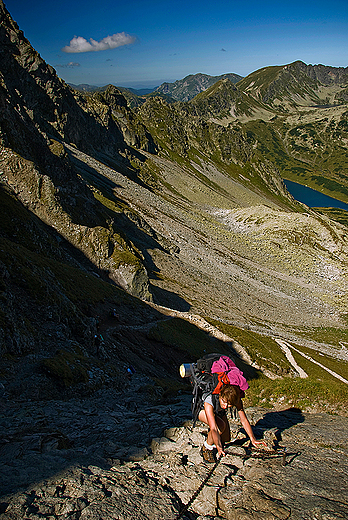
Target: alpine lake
point(313, 198)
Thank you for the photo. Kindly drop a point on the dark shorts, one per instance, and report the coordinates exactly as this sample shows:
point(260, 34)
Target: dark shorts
point(220, 413)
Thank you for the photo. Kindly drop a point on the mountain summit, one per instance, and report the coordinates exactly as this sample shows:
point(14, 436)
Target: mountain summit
point(297, 83)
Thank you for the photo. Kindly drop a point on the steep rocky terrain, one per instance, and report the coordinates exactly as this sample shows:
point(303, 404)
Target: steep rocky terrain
point(135, 239)
point(305, 479)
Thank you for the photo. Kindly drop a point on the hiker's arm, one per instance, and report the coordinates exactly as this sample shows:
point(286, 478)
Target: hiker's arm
point(247, 427)
point(209, 412)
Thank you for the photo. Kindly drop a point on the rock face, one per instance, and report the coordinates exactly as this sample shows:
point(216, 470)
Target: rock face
point(97, 475)
point(38, 110)
point(296, 80)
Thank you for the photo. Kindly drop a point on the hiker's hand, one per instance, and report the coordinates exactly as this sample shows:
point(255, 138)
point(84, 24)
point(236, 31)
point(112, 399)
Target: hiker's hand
point(221, 452)
point(260, 445)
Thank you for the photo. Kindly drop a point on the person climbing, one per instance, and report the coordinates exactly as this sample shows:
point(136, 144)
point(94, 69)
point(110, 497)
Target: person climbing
point(217, 385)
point(216, 418)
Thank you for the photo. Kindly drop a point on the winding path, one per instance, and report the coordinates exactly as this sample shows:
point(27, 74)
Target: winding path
point(286, 349)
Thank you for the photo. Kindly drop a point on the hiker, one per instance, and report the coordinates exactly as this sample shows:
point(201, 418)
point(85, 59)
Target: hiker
point(217, 385)
point(219, 429)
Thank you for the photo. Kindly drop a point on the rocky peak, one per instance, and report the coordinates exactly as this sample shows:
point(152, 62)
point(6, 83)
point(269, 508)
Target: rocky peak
point(322, 73)
point(292, 84)
point(190, 86)
point(114, 97)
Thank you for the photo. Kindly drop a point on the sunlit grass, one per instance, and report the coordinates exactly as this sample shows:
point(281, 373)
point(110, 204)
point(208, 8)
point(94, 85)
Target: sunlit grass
point(319, 389)
point(262, 349)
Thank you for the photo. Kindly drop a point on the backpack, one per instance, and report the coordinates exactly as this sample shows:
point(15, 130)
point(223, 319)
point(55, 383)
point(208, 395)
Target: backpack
point(206, 378)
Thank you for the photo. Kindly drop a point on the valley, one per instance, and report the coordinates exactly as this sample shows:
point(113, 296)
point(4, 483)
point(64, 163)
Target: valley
point(140, 232)
point(179, 203)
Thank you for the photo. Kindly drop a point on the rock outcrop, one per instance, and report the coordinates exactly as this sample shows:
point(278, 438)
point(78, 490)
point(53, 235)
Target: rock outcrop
point(99, 474)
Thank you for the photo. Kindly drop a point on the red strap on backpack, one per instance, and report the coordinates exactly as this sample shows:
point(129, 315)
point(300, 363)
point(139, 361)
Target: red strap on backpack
point(222, 380)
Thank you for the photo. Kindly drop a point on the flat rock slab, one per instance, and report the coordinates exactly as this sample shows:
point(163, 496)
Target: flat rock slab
point(170, 480)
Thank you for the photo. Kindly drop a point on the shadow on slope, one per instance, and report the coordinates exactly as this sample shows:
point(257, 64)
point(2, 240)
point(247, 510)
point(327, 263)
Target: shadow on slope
point(169, 299)
point(64, 399)
point(281, 421)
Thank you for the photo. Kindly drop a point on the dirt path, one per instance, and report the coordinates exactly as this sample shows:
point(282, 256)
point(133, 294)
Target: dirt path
point(286, 349)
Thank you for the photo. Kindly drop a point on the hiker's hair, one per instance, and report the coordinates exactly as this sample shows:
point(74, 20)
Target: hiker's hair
point(230, 394)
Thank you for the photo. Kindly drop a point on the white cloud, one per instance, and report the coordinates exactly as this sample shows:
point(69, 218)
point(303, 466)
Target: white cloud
point(80, 44)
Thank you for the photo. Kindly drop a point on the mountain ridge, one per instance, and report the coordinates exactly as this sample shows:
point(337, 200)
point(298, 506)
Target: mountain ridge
point(188, 87)
point(296, 77)
point(194, 84)
point(181, 90)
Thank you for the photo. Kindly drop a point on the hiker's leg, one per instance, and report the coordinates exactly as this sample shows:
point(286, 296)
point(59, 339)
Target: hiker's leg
point(225, 431)
point(203, 418)
point(222, 424)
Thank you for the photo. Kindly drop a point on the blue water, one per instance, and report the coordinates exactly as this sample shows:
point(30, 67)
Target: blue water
point(313, 198)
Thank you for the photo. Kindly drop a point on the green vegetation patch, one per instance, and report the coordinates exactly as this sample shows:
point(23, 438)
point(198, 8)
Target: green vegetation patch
point(319, 389)
point(70, 368)
point(106, 200)
point(67, 368)
point(57, 148)
point(339, 366)
point(194, 343)
point(302, 393)
point(339, 215)
point(183, 335)
point(80, 286)
point(330, 185)
point(262, 349)
point(39, 275)
point(167, 387)
point(329, 335)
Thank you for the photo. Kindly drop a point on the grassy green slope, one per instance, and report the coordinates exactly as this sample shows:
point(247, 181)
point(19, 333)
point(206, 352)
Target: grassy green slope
point(320, 390)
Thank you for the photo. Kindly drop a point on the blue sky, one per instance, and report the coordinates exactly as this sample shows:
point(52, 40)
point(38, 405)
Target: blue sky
point(142, 43)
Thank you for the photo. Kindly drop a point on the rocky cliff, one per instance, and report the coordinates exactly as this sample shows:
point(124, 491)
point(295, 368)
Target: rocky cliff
point(38, 111)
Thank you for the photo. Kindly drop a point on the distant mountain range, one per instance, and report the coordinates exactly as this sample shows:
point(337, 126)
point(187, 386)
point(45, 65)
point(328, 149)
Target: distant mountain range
point(181, 90)
point(83, 87)
point(187, 88)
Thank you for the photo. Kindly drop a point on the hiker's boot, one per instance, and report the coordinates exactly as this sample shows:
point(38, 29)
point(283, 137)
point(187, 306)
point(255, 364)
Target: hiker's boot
point(208, 455)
